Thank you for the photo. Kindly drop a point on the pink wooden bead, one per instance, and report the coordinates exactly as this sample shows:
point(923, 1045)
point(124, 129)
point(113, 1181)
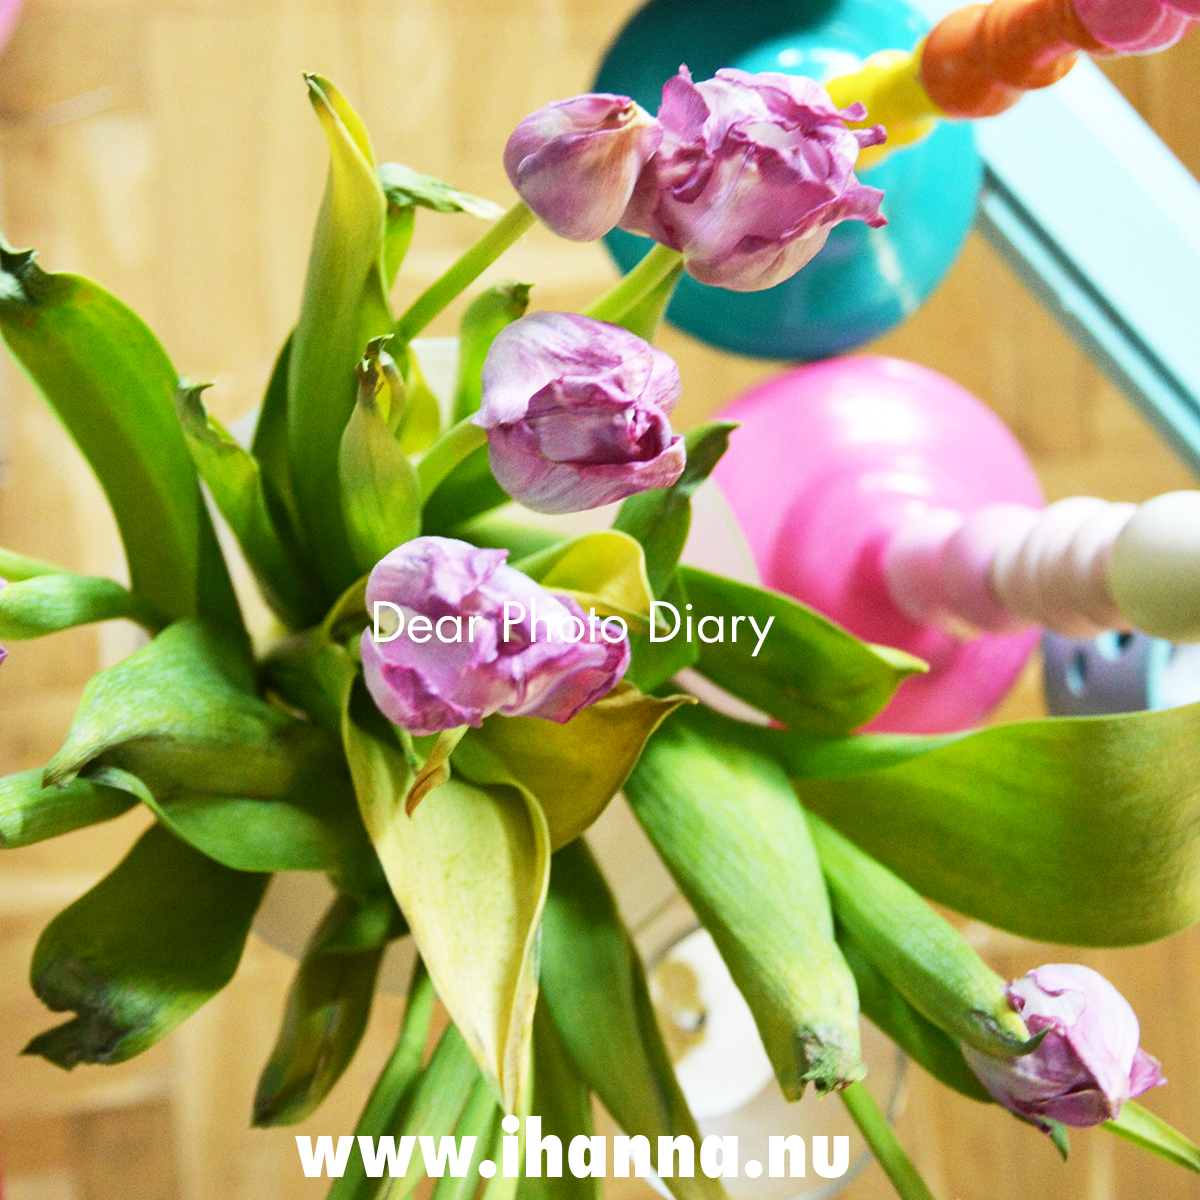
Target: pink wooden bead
point(830, 460)
point(1137, 26)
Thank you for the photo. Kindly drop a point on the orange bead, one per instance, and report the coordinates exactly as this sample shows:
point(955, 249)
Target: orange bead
point(980, 59)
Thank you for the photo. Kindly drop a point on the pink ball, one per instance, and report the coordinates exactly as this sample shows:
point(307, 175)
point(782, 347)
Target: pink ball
point(828, 462)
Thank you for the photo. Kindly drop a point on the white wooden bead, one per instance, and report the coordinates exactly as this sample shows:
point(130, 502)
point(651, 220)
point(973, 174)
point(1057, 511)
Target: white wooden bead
point(1154, 574)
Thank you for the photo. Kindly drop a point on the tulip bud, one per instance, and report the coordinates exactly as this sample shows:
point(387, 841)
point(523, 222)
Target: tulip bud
point(1089, 1062)
point(575, 162)
point(478, 637)
point(576, 413)
point(752, 173)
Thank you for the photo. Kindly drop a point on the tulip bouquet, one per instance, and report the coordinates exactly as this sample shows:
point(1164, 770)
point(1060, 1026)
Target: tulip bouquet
point(450, 695)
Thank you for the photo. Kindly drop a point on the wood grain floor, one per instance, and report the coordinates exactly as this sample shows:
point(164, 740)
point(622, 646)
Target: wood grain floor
point(165, 148)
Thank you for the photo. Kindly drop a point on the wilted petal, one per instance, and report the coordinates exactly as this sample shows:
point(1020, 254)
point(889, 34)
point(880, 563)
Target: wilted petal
point(575, 162)
point(1089, 1062)
point(577, 413)
point(427, 683)
point(753, 172)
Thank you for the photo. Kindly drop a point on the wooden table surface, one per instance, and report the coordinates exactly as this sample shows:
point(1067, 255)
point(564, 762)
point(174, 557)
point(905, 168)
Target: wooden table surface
point(166, 148)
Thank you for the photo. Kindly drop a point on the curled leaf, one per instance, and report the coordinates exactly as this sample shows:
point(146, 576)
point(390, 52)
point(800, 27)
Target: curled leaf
point(32, 813)
point(326, 1012)
point(726, 822)
point(44, 604)
point(407, 188)
point(436, 769)
point(928, 961)
point(344, 306)
point(469, 873)
point(574, 769)
point(140, 952)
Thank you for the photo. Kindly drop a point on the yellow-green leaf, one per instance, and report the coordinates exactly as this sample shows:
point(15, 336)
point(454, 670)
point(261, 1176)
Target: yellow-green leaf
point(1140, 1126)
point(726, 823)
point(345, 306)
point(469, 870)
point(927, 960)
point(112, 385)
point(608, 565)
point(575, 769)
point(1082, 830)
point(44, 604)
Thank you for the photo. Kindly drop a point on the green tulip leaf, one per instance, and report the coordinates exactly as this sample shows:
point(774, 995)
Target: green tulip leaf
point(469, 870)
point(326, 1012)
point(381, 497)
point(608, 565)
point(1077, 830)
point(487, 314)
point(140, 952)
point(809, 756)
point(927, 960)
point(652, 663)
point(562, 1105)
point(574, 769)
point(302, 818)
point(480, 1120)
point(44, 604)
point(919, 1038)
point(344, 307)
point(270, 450)
point(32, 813)
point(178, 725)
point(314, 675)
point(407, 188)
point(437, 1105)
point(15, 566)
point(235, 480)
point(394, 1088)
point(800, 667)
point(726, 823)
point(1140, 1126)
point(660, 519)
point(595, 992)
point(191, 684)
point(507, 531)
point(112, 385)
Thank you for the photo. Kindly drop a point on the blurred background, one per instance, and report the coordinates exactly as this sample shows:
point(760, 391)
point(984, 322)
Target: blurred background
point(166, 149)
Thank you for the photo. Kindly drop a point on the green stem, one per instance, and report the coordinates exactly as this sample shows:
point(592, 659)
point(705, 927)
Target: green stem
point(394, 1084)
point(465, 271)
point(446, 453)
point(878, 1132)
point(642, 280)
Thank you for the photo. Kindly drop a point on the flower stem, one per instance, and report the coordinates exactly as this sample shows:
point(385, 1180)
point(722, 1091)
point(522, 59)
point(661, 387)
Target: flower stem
point(465, 271)
point(446, 453)
point(395, 1083)
point(878, 1132)
point(642, 280)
